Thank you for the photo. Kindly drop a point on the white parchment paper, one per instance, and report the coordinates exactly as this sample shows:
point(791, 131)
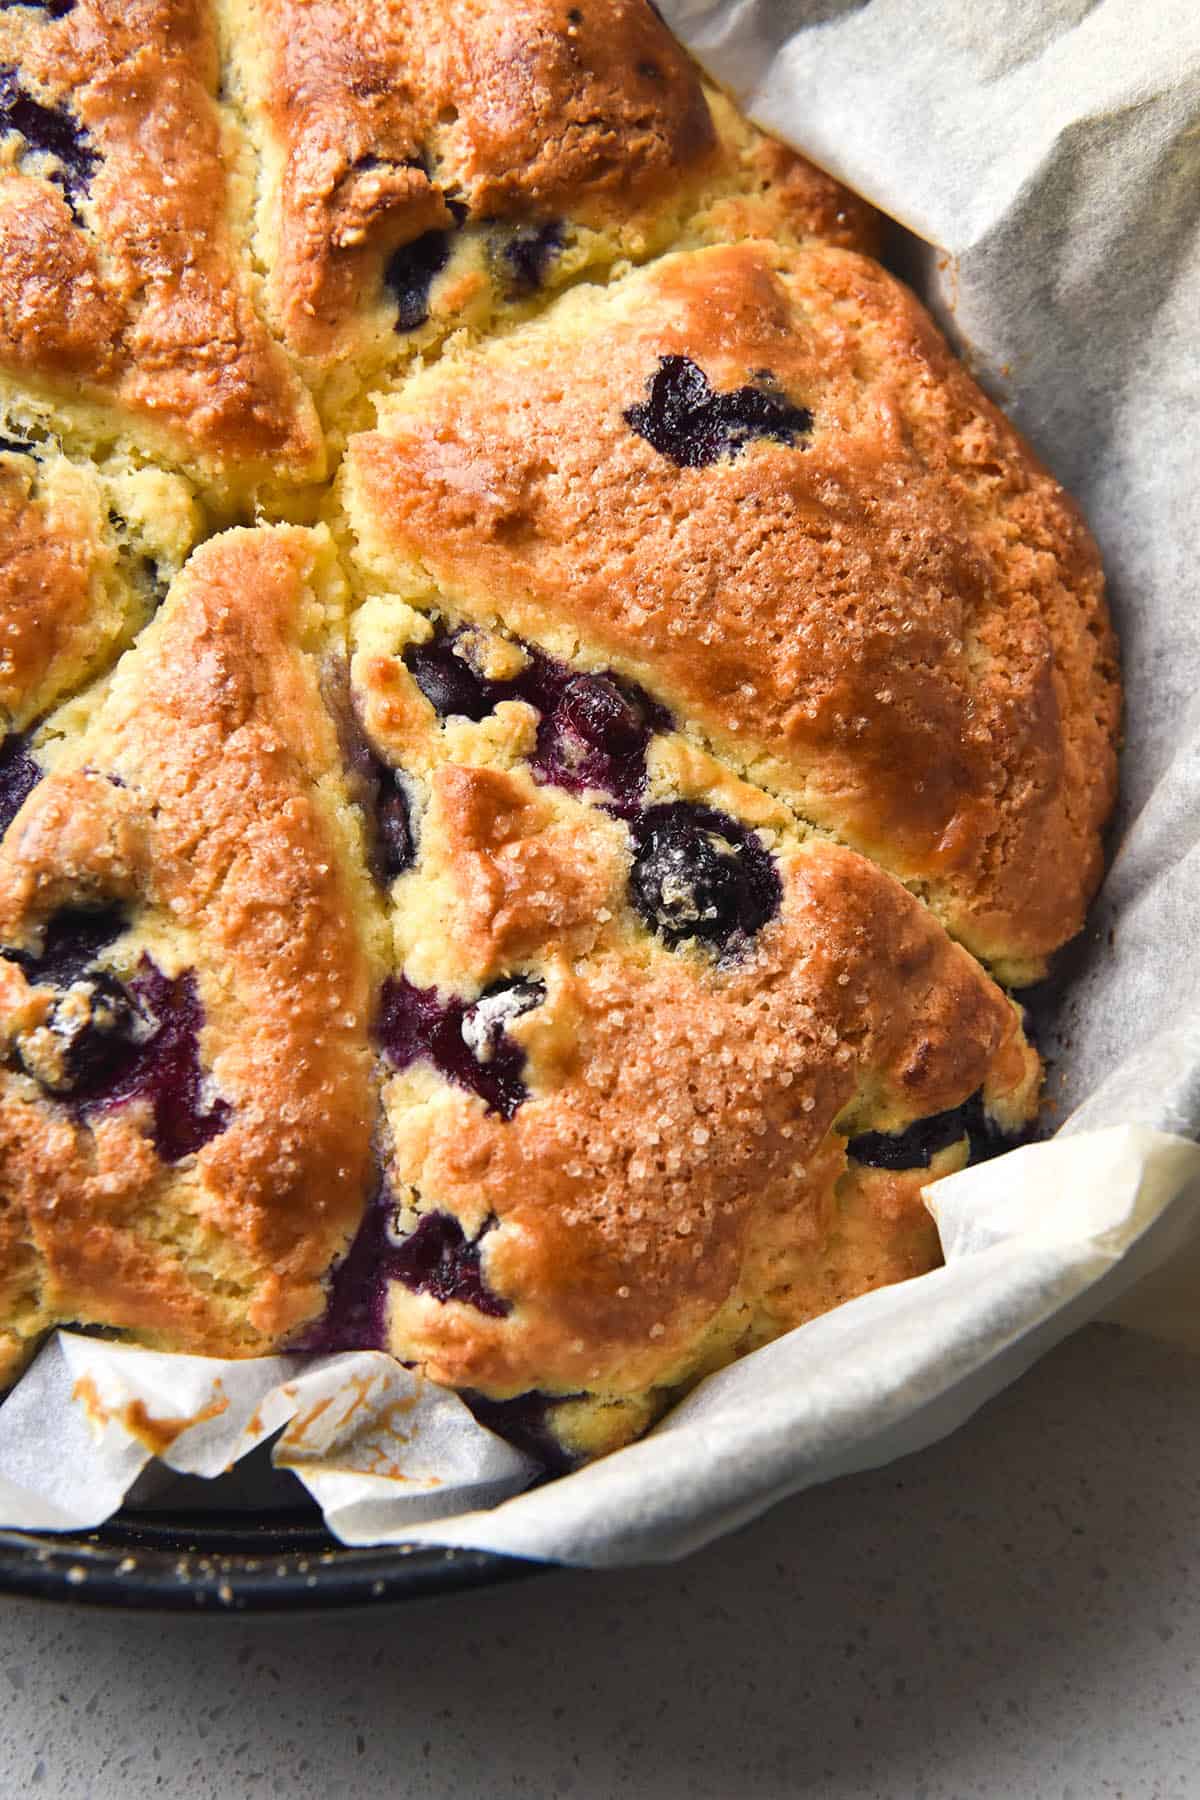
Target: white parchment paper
point(1048, 155)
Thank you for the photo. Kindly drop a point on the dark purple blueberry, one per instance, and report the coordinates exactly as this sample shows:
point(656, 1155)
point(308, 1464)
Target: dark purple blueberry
point(525, 1423)
point(373, 784)
point(529, 253)
point(165, 1067)
point(467, 1041)
point(72, 940)
point(355, 1316)
point(19, 775)
point(699, 874)
point(393, 823)
point(451, 685)
point(683, 418)
point(917, 1145)
point(16, 446)
point(595, 710)
point(55, 9)
point(409, 275)
point(51, 129)
point(439, 1259)
point(435, 1259)
point(90, 1031)
point(593, 730)
point(593, 736)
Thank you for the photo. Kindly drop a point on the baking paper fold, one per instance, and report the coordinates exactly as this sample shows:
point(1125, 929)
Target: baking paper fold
point(1049, 157)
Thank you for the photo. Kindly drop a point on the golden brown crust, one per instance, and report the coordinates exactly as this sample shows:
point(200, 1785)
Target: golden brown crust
point(140, 301)
point(893, 625)
point(677, 1158)
point(203, 798)
point(897, 620)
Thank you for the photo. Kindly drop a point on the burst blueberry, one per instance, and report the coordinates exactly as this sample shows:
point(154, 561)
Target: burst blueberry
point(685, 419)
point(410, 275)
point(467, 1041)
point(52, 130)
point(698, 874)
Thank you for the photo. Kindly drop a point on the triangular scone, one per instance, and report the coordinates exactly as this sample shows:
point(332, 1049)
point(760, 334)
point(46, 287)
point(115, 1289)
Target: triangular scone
point(86, 553)
point(754, 480)
point(126, 305)
point(632, 1022)
point(186, 920)
point(430, 167)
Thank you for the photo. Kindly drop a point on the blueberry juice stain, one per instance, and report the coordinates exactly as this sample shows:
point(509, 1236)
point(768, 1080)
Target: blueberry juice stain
point(700, 875)
point(437, 1258)
point(465, 1040)
point(105, 1043)
point(593, 729)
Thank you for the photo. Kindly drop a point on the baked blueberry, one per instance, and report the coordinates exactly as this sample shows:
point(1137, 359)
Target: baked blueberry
point(528, 254)
point(525, 1422)
point(466, 1041)
point(684, 418)
point(54, 9)
point(439, 1259)
point(88, 1038)
point(410, 273)
point(593, 730)
point(165, 1067)
point(51, 130)
point(72, 939)
point(917, 1145)
point(19, 775)
point(699, 874)
point(449, 682)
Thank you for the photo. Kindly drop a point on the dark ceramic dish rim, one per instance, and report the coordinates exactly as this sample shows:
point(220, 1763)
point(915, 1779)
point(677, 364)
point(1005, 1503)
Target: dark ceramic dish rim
point(224, 1564)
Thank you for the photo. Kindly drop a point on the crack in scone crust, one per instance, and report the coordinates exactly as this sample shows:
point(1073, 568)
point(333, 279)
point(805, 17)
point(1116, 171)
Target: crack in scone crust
point(533, 690)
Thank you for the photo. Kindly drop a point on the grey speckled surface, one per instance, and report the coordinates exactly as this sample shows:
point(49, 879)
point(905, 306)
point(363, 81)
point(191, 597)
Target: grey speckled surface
point(1014, 1613)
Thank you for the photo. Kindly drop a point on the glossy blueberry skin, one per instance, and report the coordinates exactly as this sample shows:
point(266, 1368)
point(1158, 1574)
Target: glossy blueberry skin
point(416, 1023)
point(52, 129)
point(685, 419)
point(525, 1422)
point(686, 886)
point(593, 729)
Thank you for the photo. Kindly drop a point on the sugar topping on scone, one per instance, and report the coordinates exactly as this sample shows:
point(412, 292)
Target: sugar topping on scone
point(511, 922)
point(126, 299)
point(753, 480)
point(185, 952)
point(429, 169)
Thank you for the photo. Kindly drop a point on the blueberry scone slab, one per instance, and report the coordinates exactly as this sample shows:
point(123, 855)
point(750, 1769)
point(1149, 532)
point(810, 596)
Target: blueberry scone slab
point(427, 169)
point(754, 481)
point(186, 1103)
point(127, 310)
point(661, 1077)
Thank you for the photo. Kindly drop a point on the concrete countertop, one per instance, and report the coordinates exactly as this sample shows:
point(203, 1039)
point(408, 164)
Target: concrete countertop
point(1015, 1612)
